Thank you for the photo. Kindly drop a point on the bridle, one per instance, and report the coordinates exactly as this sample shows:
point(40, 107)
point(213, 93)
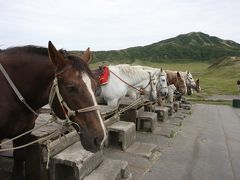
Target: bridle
point(68, 112)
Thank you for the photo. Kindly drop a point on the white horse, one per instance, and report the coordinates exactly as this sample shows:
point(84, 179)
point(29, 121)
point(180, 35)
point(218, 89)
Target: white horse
point(191, 85)
point(123, 77)
point(162, 87)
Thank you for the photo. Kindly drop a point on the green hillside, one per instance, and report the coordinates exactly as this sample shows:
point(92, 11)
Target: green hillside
point(195, 46)
point(221, 77)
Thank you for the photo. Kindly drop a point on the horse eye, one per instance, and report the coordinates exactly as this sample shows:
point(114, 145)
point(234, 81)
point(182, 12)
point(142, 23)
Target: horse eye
point(71, 88)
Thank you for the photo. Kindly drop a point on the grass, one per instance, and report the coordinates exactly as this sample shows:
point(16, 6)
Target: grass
point(208, 101)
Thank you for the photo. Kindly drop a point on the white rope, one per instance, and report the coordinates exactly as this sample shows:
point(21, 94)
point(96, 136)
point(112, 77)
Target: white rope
point(31, 143)
point(27, 132)
point(133, 104)
point(48, 153)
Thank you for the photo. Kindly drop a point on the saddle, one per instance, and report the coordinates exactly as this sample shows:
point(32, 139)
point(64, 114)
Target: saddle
point(102, 75)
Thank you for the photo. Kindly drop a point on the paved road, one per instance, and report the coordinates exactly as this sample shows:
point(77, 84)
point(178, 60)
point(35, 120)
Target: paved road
point(207, 148)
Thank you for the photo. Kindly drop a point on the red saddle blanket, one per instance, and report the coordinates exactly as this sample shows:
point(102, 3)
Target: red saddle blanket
point(104, 77)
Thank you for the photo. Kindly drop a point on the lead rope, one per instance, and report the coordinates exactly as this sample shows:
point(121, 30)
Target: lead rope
point(140, 90)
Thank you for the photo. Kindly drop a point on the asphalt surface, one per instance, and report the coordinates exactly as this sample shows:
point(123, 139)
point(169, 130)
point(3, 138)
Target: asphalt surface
point(206, 148)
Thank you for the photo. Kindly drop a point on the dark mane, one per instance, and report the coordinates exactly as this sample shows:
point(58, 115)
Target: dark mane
point(38, 50)
point(77, 62)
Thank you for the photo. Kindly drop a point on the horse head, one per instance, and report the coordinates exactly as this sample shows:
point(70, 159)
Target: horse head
point(72, 96)
point(154, 80)
point(190, 83)
point(181, 84)
point(162, 86)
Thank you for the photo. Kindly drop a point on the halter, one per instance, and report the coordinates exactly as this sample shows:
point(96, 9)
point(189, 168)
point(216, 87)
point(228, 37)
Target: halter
point(68, 112)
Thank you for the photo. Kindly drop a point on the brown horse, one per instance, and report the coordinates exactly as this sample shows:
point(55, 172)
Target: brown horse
point(33, 74)
point(174, 77)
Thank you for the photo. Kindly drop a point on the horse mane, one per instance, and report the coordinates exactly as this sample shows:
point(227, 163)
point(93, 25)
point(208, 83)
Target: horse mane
point(76, 61)
point(38, 50)
point(132, 71)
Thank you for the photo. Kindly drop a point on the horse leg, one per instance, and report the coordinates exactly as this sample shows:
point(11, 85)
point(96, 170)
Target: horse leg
point(26, 160)
point(113, 102)
point(160, 101)
point(33, 167)
point(19, 155)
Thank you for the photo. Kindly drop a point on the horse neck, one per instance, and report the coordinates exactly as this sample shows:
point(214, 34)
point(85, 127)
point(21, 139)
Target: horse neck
point(185, 76)
point(173, 79)
point(32, 77)
point(137, 80)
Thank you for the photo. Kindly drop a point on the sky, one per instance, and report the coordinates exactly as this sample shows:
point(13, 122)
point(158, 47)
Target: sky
point(113, 24)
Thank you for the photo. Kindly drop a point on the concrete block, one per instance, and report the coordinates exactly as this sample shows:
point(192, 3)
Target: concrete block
point(187, 106)
point(74, 163)
point(176, 106)
point(149, 106)
point(123, 133)
point(111, 170)
point(131, 114)
point(162, 113)
point(146, 121)
point(170, 110)
point(111, 120)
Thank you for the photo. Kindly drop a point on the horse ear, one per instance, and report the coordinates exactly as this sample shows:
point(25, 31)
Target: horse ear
point(87, 56)
point(178, 74)
point(197, 81)
point(56, 57)
point(161, 69)
point(187, 72)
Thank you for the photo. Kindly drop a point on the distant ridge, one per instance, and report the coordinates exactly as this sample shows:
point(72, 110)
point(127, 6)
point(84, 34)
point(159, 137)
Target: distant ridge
point(194, 46)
